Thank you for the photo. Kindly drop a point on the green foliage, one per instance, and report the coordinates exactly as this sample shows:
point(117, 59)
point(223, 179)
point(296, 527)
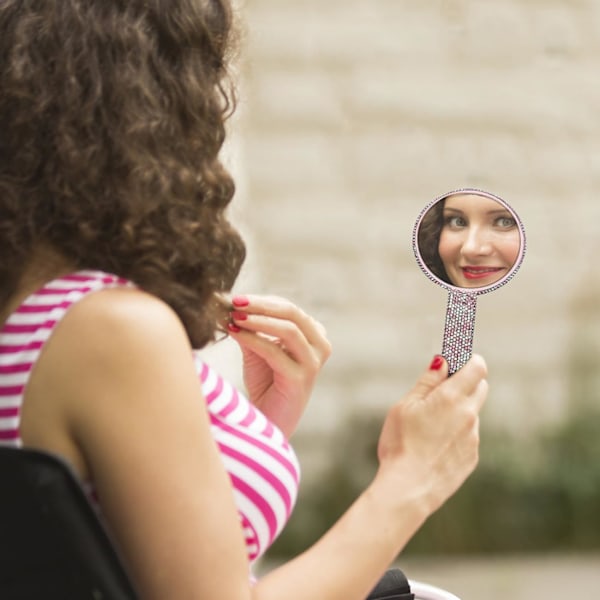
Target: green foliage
point(533, 495)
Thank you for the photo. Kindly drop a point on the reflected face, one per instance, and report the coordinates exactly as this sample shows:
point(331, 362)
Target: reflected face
point(479, 241)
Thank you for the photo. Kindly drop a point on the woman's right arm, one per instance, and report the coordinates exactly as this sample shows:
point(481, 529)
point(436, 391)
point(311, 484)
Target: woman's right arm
point(119, 367)
point(428, 446)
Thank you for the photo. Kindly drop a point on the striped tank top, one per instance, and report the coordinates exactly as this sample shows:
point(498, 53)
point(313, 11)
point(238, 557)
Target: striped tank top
point(262, 466)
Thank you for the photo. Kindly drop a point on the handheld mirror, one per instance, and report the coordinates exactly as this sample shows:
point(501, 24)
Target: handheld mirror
point(470, 242)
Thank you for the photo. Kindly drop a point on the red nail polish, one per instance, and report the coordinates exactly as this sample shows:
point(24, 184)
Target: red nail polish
point(240, 301)
point(436, 363)
point(233, 328)
point(238, 316)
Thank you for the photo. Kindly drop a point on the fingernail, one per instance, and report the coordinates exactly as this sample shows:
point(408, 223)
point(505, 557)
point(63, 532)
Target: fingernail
point(240, 301)
point(239, 316)
point(436, 363)
point(233, 328)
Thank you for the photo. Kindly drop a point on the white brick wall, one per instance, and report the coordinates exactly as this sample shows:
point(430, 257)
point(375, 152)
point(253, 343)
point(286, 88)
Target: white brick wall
point(355, 114)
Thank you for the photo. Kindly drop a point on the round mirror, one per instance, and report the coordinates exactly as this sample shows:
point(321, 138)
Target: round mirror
point(469, 240)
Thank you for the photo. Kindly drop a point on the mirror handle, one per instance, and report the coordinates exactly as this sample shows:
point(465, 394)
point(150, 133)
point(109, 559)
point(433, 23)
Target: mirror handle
point(459, 329)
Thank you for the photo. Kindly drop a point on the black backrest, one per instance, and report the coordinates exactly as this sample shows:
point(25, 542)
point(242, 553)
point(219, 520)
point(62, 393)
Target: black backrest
point(52, 543)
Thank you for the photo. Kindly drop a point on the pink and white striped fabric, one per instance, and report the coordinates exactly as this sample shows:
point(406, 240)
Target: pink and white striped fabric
point(262, 466)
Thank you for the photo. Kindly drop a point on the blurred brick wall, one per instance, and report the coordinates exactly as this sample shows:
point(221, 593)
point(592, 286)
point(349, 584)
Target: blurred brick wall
point(353, 115)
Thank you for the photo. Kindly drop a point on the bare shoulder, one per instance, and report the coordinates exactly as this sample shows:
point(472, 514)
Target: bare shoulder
point(119, 329)
point(116, 341)
point(122, 314)
point(107, 329)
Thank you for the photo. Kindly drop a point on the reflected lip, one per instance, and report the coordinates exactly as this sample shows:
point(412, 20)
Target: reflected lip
point(473, 272)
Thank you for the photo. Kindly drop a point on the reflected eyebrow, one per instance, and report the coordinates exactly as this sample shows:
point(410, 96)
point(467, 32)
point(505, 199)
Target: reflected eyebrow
point(499, 211)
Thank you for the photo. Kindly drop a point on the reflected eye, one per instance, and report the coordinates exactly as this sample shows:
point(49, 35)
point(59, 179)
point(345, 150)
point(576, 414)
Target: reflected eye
point(505, 222)
point(455, 222)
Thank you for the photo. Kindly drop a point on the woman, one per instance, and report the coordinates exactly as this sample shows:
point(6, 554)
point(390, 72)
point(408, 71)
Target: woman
point(469, 240)
point(116, 255)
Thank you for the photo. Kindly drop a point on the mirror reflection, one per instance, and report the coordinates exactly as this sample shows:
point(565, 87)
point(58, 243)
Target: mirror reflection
point(469, 240)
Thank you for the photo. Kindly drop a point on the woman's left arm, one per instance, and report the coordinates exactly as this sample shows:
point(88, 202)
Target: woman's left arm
point(283, 350)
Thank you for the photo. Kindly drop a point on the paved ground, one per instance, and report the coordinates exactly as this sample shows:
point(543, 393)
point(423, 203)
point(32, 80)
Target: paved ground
point(513, 578)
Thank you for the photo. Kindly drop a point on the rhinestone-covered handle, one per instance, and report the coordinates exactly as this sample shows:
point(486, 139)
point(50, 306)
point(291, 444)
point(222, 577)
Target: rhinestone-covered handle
point(459, 329)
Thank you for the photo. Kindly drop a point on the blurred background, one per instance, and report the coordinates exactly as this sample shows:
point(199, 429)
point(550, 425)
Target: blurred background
point(352, 116)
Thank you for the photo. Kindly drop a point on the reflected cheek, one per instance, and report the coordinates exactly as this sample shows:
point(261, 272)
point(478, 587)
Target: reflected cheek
point(509, 252)
point(448, 249)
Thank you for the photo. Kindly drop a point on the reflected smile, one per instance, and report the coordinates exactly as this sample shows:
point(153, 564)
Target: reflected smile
point(471, 272)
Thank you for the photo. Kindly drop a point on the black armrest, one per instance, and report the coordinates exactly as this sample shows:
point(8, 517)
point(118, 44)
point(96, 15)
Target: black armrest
point(392, 586)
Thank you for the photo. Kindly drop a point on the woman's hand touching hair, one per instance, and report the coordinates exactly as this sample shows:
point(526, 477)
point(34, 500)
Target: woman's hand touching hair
point(283, 350)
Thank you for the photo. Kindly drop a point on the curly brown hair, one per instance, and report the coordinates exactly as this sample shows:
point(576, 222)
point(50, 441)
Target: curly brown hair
point(428, 239)
point(112, 116)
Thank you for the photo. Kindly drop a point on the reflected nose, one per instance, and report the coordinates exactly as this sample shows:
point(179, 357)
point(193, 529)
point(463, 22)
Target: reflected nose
point(476, 243)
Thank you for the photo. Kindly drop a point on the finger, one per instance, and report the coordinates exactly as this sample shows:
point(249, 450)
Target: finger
point(281, 318)
point(280, 308)
point(465, 380)
point(432, 377)
point(286, 332)
point(267, 349)
point(480, 395)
